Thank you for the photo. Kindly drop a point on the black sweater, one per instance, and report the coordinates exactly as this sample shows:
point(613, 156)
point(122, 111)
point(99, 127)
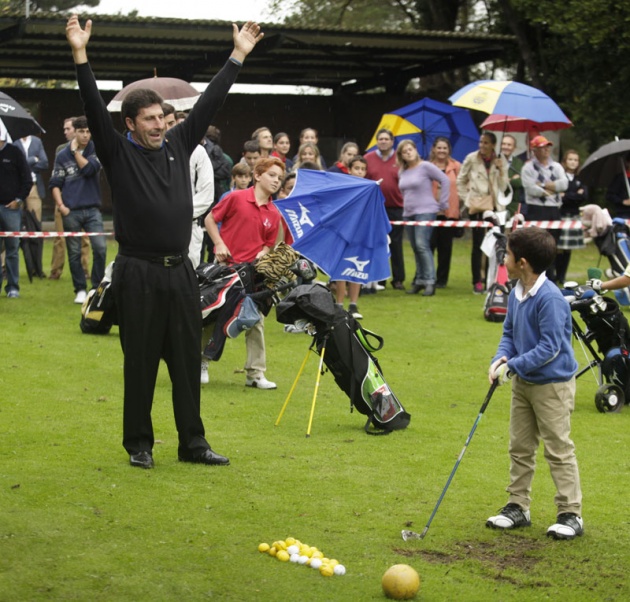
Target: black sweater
point(15, 175)
point(151, 190)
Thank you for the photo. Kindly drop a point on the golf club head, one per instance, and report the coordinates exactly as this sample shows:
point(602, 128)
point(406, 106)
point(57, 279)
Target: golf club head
point(407, 535)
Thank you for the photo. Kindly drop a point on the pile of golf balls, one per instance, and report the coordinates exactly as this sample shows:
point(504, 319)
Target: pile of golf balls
point(293, 550)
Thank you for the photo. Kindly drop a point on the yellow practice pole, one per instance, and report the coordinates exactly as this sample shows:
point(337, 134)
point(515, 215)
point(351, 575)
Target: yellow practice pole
point(319, 374)
point(295, 382)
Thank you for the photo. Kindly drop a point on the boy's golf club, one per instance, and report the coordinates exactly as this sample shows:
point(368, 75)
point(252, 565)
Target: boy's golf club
point(411, 534)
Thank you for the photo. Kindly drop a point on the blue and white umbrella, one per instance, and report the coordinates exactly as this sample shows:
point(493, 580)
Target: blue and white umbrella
point(339, 222)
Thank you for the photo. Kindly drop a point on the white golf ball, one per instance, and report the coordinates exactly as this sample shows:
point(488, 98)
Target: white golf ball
point(294, 557)
point(339, 569)
point(316, 563)
point(303, 559)
point(293, 549)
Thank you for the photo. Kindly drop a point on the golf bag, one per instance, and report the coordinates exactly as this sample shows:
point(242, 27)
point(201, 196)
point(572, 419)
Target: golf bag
point(347, 351)
point(614, 244)
point(98, 312)
point(232, 297)
point(607, 326)
point(497, 281)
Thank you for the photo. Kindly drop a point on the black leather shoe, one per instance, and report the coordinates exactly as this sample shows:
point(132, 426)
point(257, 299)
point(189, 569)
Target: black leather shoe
point(206, 457)
point(142, 459)
point(429, 291)
point(440, 285)
point(399, 286)
point(415, 289)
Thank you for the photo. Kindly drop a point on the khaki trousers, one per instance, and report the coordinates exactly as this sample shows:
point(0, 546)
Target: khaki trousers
point(256, 363)
point(543, 412)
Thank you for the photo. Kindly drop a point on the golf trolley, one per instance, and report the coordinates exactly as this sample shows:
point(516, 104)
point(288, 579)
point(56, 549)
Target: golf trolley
point(608, 328)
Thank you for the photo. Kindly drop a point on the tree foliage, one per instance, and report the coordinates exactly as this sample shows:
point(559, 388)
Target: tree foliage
point(576, 51)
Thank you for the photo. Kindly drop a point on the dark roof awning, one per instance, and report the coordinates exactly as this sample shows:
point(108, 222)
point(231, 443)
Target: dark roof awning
point(131, 48)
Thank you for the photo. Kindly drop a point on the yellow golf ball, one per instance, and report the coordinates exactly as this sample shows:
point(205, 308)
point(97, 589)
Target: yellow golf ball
point(264, 547)
point(273, 551)
point(283, 555)
point(326, 570)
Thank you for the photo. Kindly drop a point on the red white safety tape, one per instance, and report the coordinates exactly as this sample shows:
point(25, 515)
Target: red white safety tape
point(548, 224)
point(51, 234)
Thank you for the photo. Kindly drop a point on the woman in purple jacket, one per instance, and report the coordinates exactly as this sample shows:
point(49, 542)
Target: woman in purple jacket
point(419, 204)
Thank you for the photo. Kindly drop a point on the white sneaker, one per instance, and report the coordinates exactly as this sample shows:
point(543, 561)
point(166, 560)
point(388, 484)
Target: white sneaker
point(260, 383)
point(378, 287)
point(205, 379)
point(80, 298)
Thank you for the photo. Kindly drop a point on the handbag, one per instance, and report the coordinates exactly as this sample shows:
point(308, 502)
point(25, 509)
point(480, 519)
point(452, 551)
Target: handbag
point(479, 204)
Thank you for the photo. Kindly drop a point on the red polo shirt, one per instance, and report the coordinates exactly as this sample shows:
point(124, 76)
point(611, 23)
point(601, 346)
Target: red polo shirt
point(246, 226)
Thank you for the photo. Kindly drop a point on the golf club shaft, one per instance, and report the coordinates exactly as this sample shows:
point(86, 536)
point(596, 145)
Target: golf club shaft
point(461, 455)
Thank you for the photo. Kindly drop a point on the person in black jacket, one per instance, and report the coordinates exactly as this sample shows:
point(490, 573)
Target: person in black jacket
point(154, 285)
point(15, 184)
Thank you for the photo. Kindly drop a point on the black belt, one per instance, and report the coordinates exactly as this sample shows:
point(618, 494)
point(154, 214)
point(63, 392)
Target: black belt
point(168, 261)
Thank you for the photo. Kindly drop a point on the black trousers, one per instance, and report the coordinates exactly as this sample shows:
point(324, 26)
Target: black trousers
point(396, 236)
point(442, 242)
point(159, 318)
point(476, 256)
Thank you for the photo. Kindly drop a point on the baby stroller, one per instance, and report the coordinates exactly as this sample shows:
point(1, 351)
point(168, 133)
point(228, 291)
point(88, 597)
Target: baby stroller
point(608, 328)
point(612, 238)
point(347, 350)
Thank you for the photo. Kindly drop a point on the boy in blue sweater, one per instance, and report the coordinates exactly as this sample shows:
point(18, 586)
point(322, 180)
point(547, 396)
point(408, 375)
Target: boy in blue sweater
point(536, 350)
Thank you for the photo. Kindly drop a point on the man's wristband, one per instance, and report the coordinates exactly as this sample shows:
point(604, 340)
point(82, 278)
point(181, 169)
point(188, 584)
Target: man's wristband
point(236, 62)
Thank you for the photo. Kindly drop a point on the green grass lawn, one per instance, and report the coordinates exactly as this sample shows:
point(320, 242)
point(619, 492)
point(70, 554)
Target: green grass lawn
point(78, 523)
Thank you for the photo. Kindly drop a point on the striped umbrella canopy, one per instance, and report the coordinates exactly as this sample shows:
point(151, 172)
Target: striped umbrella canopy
point(512, 100)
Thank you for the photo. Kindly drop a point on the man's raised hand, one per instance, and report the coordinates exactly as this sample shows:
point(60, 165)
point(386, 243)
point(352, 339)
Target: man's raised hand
point(78, 38)
point(245, 39)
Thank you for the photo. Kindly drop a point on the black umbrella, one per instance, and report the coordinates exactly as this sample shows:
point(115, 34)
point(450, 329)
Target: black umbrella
point(16, 119)
point(32, 247)
point(605, 163)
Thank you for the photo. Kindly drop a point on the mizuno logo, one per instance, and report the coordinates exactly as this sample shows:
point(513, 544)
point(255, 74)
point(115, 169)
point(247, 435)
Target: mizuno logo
point(360, 265)
point(299, 221)
point(358, 272)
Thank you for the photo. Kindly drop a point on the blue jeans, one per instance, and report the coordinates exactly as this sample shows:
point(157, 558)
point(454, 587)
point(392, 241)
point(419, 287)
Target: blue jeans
point(11, 221)
point(420, 239)
point(88, 220)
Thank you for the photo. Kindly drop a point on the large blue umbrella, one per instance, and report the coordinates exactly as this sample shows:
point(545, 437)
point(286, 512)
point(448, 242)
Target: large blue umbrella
point(425, 120)
point(339, 222)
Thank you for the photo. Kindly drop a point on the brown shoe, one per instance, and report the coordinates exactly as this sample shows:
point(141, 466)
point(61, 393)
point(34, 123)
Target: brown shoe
point(54, 276)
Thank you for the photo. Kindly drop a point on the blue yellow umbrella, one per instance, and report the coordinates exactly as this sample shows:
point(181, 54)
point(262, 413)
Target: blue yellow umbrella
point(510, 100)
point(425, 120)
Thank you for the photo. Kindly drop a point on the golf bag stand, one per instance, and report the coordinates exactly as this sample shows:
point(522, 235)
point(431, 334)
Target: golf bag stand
point(315, 392)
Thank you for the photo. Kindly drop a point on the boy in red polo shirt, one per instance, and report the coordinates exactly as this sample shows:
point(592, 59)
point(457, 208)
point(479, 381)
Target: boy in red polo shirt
point(249, 229)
